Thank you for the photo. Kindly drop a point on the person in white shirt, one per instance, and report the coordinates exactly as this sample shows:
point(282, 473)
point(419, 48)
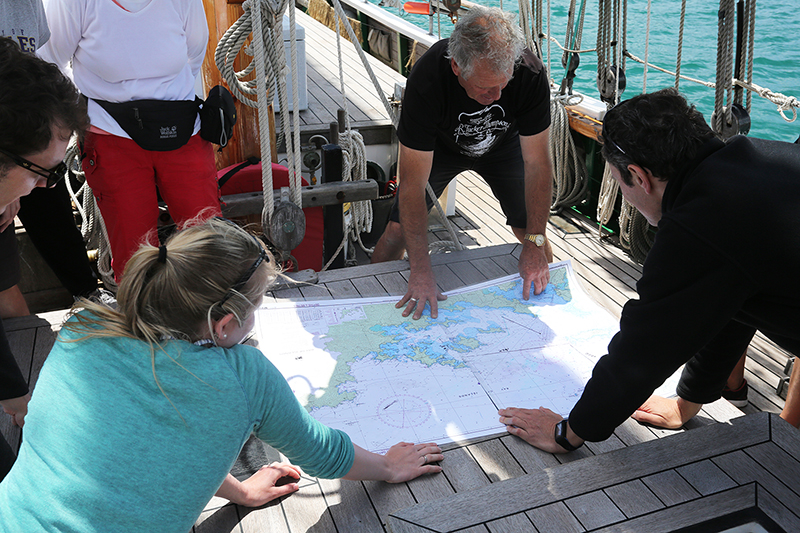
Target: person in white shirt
point(124, 55)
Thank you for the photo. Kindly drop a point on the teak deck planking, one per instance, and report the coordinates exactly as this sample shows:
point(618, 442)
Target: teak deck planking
point(605, 272)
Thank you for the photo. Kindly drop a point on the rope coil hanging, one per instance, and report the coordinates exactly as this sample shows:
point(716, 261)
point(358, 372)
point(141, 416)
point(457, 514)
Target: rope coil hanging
point(93, 227)
point(570, 177)
point(264, 20)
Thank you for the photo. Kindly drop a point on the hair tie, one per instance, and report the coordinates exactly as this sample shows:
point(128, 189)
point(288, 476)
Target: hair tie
point(162, 254)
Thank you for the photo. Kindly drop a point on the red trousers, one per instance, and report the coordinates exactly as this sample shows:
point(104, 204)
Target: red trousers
point(126, 179)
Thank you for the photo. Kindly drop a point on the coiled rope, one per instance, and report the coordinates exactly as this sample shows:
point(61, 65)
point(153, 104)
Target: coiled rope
point(264, 20)
point(93, 228)
point(570, 177)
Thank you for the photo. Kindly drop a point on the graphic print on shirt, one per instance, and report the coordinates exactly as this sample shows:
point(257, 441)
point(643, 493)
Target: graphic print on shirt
point(477, 132)
point(25, 42)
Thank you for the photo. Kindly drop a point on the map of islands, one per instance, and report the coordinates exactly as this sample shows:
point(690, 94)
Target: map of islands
point(360, 366)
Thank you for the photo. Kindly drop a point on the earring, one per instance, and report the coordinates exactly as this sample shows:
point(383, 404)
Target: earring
point(224, 335)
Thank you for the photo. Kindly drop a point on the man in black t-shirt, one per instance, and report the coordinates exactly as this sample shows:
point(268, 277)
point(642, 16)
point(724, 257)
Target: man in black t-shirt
point(477, 101)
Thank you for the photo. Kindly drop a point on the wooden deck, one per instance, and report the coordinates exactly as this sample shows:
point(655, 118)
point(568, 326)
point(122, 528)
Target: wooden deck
point(344, 506)
point(365, 110)
point(598, 476)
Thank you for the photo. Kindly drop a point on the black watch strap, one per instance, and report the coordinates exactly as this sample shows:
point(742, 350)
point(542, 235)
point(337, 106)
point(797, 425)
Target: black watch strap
point(561, 437)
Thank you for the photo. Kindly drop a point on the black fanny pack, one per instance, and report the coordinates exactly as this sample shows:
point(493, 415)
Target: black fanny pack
point(158, 125)
point(218, 116)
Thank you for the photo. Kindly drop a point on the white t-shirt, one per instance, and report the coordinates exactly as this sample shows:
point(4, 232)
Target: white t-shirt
point(119, 56)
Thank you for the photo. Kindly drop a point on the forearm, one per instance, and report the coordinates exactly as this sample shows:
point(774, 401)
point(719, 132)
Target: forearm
point(231, 489)
point(414, 224)
point(538, 180)
point(538, 194)
point(368, 466)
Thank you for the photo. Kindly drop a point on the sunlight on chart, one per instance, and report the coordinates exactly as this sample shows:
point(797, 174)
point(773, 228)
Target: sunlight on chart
point(359, 366)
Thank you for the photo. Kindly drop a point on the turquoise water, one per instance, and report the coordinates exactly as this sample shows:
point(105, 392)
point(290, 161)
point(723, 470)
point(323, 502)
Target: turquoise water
point(776, 57)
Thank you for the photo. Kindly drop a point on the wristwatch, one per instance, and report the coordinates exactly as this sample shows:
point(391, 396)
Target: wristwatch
point(536, 238)
point(561, 437)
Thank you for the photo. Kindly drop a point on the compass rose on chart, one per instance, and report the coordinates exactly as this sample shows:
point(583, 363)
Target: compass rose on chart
point(403, 411)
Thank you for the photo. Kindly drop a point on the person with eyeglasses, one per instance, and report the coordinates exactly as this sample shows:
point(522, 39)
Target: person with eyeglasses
point(39, 110)
point(46, 213)
point(140, 412)
point(723, 265)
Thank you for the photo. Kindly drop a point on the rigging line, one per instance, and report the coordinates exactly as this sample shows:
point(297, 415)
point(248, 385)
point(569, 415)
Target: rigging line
point(680, 45)
point(783, 101)
point(665, 71)
point(751, 14)
point(646, 48)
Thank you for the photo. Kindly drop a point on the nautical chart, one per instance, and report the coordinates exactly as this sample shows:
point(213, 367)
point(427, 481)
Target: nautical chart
point(359, 366)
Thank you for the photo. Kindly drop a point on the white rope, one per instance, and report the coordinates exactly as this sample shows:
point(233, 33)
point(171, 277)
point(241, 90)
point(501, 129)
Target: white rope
point(355, 162)
point(260, 61)
point(296, 178)
point(570, 177)
point(783, 102)
point(612, 23)
point(606, 199)
point(264, 19)
point(93, 228)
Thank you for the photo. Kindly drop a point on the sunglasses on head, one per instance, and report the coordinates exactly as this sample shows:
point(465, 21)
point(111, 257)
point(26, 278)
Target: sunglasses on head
point(263, 255)
point(53, 175)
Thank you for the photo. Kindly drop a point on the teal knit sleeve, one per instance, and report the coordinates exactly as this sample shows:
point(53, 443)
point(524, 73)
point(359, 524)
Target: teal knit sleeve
point(280, 420)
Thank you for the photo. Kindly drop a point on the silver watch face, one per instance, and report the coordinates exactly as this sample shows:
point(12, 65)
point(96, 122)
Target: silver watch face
point(538, 240)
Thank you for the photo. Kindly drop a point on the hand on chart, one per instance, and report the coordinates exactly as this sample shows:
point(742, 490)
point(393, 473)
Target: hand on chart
point(534, 426)
point(422, 290)
point(407, 461)
point(534, 268)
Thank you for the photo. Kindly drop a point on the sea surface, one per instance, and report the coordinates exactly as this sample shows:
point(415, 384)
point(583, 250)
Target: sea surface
point(776, 63)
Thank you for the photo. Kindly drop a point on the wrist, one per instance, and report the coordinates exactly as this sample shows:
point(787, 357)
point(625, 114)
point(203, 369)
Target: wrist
point(687, 409)
point(565, 437)
point(537, 239)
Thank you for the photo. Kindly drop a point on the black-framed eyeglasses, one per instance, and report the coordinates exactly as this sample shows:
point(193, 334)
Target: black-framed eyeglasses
point(53, 175)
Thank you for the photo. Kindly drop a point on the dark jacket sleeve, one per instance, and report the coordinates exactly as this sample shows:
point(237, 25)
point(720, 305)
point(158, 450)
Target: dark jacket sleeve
point(12, 383)
point(688, 294)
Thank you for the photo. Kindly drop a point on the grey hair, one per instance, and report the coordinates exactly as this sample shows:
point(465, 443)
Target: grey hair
point(486, 34)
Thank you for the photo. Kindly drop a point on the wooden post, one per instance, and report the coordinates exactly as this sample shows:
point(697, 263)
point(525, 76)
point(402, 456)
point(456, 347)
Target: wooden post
point(334, 215)
point(221, 15)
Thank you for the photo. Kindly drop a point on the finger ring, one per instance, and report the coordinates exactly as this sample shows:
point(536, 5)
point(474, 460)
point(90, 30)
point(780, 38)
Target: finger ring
point(413, 299)
point(424, 459)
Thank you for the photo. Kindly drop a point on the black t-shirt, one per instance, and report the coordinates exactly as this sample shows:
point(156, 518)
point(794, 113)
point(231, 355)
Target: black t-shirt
point(437, 114)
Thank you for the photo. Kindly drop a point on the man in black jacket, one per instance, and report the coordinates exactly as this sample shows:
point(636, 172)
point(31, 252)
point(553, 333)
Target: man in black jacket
point(723, 265)
point(39, 111)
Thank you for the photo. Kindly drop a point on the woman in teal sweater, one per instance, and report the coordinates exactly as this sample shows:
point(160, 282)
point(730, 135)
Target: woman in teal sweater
point(139, 414)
